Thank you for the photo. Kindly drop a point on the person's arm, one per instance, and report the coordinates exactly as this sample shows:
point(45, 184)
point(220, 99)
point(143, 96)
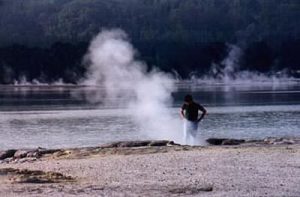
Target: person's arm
point(182, 112)
point(203, 110)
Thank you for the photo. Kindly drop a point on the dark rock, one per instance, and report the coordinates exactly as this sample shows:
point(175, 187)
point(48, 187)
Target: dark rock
point(224, 141)
point(128, 144)
point(232, 142)
point(215, 141)
point(48, 151)
point(7, 154)
point(161, 143)
point(134, 143)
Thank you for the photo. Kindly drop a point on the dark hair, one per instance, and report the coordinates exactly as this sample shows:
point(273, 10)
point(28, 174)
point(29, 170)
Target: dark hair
point(188, 98)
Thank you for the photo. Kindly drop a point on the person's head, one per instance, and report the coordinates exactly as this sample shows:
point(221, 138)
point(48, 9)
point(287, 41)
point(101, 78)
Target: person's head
point(188, 98)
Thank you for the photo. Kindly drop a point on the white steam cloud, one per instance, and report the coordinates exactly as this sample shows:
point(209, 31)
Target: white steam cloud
point(231, 63)
point(120, 78)
point(229, 73)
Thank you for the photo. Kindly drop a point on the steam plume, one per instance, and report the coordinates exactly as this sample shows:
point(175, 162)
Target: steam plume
point(122, 79)
point(229, 73)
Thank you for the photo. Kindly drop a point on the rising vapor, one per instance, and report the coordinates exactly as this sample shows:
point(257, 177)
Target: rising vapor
point(122, 79)
point(228, 73)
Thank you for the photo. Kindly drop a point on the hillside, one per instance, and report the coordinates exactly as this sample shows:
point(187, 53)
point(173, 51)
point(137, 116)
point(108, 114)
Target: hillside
point(176, 35)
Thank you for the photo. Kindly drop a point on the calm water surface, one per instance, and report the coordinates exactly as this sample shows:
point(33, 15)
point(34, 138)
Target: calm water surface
point(57, 117)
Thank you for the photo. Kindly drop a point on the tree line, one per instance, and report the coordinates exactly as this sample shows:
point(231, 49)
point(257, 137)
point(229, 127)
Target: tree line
point(47, 39)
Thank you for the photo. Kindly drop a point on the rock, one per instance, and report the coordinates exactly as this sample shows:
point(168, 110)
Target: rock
point(232, 142)
point(22, 153)
point(35, 154)
point(215, 141)
point(48, 151)
point(110, 145)
point(7, 154)
point(62, 153)
point(270, 140)
point(18, 155)
point(25, 159)
point(288, 141)
point(32, 153)
point(134, 143)
point(8, 160)
point(224, 141)
point(34, 176)
point(161, 143)
point(278, 141)
point(128, 144)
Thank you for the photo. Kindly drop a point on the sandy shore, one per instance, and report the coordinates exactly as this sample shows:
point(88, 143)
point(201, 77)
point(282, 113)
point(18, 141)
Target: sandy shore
point(265, 170)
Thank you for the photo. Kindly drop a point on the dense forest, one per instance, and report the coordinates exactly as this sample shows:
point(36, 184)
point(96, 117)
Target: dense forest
point(46, 39)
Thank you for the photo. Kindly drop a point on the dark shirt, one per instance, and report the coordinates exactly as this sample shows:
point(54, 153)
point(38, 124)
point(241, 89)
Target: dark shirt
point(191, 110)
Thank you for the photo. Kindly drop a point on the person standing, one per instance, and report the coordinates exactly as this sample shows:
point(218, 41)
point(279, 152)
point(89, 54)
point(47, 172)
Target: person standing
point(190, 113)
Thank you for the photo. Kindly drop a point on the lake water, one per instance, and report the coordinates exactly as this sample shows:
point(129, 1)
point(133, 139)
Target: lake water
point(51, 116)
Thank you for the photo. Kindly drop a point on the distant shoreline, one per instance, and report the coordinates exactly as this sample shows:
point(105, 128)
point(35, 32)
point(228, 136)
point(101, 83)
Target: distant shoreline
point(179, 83)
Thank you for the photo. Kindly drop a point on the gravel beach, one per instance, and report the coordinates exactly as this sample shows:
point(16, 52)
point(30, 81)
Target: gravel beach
point(268, 170)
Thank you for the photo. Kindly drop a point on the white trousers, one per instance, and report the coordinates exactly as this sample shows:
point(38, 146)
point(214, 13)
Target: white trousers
point(190, 129)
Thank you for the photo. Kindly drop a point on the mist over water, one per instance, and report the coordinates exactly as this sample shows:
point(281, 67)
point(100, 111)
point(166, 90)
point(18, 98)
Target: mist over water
point(123, 80)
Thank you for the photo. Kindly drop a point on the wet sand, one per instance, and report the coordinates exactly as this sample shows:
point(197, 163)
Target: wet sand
point(241, 170)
